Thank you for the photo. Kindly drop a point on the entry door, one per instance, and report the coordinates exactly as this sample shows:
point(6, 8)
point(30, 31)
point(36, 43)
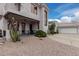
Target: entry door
point(31, 29)
point(23, 28)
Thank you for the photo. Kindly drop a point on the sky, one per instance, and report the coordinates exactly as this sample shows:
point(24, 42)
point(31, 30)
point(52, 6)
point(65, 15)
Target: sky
point(65, 12)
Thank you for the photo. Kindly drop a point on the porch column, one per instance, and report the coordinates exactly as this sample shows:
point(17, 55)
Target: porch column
point(20, 28)
point(38, 25)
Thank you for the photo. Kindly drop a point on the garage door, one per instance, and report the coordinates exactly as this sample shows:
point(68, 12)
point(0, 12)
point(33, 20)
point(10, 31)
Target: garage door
point(67, 30)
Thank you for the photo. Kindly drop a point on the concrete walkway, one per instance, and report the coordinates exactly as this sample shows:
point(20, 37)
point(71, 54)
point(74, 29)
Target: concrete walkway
point(68, 39)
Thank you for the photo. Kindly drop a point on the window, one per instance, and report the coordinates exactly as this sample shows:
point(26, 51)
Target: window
point(34, 9)
point(4, 33)
point(1, 16)
point(0, 33)
point(45, 17)
point(18, 5)
point(18, 27)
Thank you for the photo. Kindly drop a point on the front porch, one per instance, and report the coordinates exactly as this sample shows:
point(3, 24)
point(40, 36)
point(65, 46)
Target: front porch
point(24, 25)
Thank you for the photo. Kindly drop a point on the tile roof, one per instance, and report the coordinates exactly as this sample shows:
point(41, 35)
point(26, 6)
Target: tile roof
point(68, 24)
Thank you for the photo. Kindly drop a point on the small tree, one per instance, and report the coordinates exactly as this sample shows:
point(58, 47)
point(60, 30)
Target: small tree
point(52, 28)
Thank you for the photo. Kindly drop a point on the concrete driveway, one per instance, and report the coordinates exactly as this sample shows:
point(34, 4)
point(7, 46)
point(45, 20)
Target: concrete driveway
point(68, 39)
point(53, 45)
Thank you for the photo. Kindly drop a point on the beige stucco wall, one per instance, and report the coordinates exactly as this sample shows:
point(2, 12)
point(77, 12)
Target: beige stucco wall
point(3, 26)
point(42, 20)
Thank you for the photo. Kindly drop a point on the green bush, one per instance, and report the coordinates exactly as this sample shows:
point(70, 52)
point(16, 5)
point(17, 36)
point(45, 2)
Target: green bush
point(40, 33)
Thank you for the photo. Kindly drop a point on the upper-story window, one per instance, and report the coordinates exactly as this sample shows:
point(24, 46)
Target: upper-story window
point(34, 9)
point(1, 17)
point(18, 5)
point(45, 17)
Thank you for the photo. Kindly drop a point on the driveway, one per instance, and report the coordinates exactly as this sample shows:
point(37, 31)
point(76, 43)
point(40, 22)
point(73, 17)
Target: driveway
point(53, 45)
point(68, 39)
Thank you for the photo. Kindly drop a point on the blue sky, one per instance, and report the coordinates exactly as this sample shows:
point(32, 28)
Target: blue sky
point(59, 10)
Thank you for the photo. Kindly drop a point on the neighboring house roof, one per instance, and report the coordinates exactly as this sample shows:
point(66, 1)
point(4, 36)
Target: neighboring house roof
point(68, 24)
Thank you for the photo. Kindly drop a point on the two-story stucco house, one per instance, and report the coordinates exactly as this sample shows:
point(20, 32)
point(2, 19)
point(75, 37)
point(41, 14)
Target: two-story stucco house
point(29, 16)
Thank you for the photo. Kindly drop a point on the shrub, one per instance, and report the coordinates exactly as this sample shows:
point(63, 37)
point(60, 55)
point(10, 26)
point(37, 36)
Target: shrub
point(40, 33)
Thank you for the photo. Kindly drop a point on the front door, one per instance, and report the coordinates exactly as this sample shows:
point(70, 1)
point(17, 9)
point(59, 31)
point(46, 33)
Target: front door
point(31, 30)
point(23, 28)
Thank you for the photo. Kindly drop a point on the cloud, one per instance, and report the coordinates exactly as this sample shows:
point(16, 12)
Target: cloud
point(70, 12)
point(62, 7)
point(70, 16)
point(55, 20)
point(76, 13)
point(76, 17)
point(66, 19)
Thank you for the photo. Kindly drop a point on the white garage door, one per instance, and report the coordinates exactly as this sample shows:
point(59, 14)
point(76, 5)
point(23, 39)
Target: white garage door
point(67, 30)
